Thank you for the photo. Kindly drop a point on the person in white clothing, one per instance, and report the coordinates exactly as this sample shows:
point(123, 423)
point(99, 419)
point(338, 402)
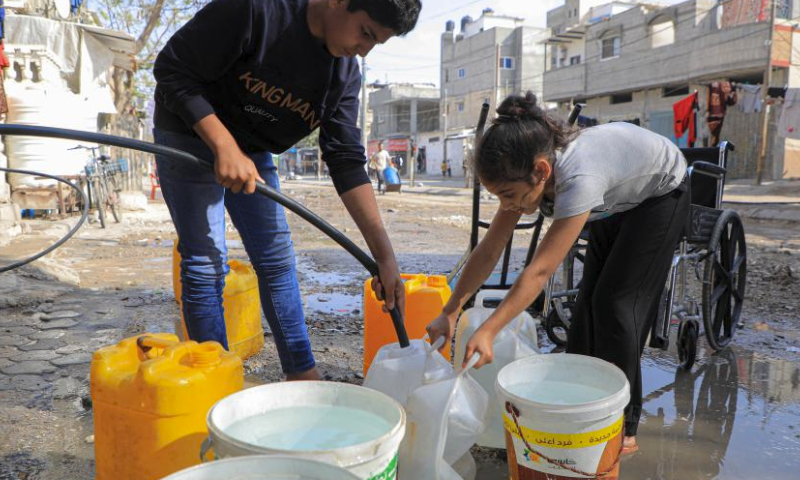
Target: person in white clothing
point(381, 160)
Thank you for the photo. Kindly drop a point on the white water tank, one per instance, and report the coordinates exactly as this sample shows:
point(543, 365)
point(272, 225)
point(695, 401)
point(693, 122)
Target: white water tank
point(48, 105)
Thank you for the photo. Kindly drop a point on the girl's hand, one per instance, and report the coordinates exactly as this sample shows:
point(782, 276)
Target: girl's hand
point(482, 342)
point(443, 325)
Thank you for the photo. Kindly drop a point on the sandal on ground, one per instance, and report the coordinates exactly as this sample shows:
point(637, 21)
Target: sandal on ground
point(629, 447)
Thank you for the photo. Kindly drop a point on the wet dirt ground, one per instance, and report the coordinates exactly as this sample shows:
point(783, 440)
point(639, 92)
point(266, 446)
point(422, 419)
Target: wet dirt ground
point(736, 415)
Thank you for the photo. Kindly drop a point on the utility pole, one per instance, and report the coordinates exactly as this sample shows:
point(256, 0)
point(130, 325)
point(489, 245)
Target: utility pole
point(364, 105)
point(762, 157)
point(444, 131)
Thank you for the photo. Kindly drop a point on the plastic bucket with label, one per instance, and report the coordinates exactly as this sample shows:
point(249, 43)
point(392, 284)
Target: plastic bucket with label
point(563, 416)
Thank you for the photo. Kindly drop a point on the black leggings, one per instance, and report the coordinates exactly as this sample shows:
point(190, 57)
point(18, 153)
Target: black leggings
point(624, 274)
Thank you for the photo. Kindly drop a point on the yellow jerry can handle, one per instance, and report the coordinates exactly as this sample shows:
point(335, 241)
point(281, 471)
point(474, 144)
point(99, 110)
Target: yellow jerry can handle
point(147, 343)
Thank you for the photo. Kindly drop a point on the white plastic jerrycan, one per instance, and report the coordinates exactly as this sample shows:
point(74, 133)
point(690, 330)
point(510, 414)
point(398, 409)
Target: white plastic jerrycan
point(517, 340)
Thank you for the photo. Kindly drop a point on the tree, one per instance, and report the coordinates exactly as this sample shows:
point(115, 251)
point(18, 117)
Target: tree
point(151, 22)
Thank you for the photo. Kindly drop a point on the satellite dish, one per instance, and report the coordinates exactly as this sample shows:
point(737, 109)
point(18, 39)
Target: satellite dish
point(62, 8)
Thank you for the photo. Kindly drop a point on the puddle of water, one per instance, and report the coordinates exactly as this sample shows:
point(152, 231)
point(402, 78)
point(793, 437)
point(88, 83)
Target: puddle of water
point(735, 416)
point(333, 303)
point(305, 268)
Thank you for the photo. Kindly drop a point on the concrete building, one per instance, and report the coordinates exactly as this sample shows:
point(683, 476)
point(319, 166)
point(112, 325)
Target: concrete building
point(404, 116)
point(632, 62)
point(488, 59)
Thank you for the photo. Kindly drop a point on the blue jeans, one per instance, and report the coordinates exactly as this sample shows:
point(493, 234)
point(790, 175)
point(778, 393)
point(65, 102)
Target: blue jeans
point(197, 205)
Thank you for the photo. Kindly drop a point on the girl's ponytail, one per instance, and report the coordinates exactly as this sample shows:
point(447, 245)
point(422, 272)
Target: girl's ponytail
point(521, 132)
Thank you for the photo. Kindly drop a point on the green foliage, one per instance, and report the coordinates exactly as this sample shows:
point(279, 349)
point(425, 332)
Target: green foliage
point(312, 140)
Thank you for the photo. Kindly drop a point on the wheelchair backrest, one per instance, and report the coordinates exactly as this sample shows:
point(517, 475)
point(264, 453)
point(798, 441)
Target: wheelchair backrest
point(707, 191)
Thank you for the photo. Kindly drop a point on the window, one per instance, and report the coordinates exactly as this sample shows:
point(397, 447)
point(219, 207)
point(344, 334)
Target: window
point(507, 63)
point(662, 34)
point(575, 60)
point(563, 60)
point(611, 47)
point(460, 106)
point(381, 118)
point(462, 73)
point(676, 91)
point(621, 98)
point(575, 13)
point(446, 74)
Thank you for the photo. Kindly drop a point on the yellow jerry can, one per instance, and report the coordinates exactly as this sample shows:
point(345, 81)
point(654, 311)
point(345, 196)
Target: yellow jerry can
point(425, 297)
point(150, 397)
point(240, 302)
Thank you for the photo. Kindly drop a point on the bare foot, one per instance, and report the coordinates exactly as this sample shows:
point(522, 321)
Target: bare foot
point(629, 445)
point(312, 374)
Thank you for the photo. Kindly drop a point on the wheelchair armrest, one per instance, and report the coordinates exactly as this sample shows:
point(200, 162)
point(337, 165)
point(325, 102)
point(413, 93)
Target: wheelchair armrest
point(707, 168)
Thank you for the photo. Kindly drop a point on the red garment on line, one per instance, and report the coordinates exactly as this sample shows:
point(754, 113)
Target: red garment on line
point(4, 63)
point(684, 117)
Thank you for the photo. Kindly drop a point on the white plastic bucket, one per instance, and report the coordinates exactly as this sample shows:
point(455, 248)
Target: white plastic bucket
point(582, 432)
point(263, 467)
point(373, 460)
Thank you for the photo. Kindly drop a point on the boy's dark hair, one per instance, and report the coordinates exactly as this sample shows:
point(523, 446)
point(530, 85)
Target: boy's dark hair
point(399, 15)
point(520, 133)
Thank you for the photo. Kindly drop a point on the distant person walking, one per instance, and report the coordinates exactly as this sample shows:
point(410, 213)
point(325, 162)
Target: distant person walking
point(421, 161)
point(381, 159)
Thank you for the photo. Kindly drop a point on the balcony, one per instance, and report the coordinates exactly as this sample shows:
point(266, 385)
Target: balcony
point(723, 53)
point(565, 83)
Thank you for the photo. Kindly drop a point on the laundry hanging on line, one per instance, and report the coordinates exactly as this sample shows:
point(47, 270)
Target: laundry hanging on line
point(720, 96)
point(789, 124)
point(749, 98)
point(683, 111)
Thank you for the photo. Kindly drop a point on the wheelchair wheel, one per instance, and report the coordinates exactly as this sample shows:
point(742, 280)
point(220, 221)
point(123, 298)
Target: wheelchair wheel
point(687, 344)
point(724, 279)
point(557, 323)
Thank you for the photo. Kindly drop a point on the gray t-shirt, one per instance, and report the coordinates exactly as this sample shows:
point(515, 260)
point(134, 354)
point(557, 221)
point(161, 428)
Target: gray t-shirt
point(612, 168)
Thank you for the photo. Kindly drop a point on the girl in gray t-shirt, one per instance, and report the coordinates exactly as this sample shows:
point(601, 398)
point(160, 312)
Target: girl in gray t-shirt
point(627, 183)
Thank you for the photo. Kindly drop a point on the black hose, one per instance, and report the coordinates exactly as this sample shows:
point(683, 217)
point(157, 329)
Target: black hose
point(295, 207)
point(70, 233)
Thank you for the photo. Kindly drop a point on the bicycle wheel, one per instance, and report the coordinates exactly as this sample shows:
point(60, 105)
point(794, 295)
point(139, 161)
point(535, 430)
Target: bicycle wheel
point(112, 198)
point(99, 200)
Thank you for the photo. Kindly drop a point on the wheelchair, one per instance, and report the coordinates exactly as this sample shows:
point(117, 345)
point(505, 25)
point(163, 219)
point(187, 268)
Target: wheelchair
point(712, 244)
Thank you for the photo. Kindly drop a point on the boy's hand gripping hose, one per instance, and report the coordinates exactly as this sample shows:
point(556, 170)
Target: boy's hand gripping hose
point(263, 189)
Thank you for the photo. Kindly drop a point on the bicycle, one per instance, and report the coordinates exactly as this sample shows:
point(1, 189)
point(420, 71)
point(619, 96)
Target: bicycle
point(101, 182)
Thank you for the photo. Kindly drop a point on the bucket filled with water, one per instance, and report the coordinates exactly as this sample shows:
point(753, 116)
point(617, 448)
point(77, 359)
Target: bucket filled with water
point(563, 416)
point(264, 467)
point(352, 427)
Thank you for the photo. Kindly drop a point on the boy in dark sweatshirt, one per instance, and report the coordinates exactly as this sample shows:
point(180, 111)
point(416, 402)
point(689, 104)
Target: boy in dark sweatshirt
point(245, 79)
